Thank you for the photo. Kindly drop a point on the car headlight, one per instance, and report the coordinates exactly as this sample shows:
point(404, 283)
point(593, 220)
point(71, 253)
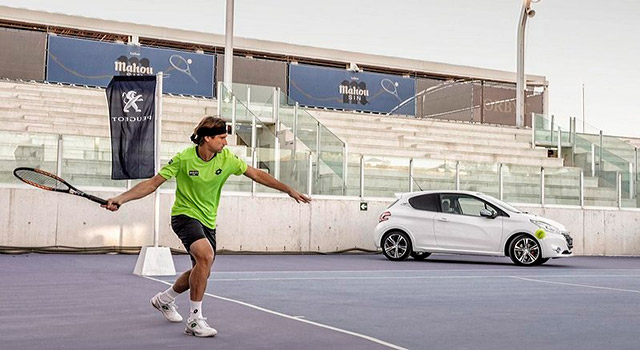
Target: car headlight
point(545, 226)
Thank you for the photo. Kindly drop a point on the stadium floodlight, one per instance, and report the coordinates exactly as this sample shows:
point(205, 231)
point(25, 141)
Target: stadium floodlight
point(527, 12)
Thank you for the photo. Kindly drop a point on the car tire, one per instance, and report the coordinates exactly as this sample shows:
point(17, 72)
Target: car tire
point(396, 245)
point(525, 250)
point(542, 261)
point(420, 255)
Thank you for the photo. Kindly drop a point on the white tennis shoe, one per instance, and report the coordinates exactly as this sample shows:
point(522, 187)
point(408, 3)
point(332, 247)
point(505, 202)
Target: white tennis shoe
point(168, 309)
point(199, 328)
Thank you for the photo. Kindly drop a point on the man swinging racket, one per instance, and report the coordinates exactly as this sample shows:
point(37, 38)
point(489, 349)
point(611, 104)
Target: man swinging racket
point(200, 172)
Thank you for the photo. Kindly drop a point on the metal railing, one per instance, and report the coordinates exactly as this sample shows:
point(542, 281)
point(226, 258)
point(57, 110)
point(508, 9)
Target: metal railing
point(608, 160)
point(86, 161)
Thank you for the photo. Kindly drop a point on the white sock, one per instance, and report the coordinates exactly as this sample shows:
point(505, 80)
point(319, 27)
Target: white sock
point(196, 309)
point(168, 295)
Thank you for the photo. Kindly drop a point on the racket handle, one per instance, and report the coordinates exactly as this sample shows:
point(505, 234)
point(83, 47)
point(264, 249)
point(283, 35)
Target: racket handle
point(95, 199)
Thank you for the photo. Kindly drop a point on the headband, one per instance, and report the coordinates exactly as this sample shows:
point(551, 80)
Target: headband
point(204, 131)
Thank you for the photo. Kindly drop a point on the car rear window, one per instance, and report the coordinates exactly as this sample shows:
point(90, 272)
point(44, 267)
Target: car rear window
point(428, 202)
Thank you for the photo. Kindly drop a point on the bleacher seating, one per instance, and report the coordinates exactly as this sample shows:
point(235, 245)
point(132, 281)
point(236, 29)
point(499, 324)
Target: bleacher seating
point(30, 107)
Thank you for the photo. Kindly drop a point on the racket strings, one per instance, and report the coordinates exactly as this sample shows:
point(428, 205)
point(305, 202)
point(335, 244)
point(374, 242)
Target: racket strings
point(47, 182)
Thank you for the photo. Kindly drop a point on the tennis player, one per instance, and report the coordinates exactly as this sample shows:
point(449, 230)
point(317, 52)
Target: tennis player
point(200, 173)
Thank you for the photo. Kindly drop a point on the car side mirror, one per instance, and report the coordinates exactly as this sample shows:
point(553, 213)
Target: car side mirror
point(488, 213)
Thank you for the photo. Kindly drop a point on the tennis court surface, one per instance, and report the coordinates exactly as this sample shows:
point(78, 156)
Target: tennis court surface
point(358, 301)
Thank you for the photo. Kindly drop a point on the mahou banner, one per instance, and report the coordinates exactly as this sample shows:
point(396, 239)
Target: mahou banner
point(132, 117)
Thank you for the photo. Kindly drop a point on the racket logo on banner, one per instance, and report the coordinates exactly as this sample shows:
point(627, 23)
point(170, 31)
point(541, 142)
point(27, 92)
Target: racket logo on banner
point(391, 87)
point(130, 99)
point(183, 65)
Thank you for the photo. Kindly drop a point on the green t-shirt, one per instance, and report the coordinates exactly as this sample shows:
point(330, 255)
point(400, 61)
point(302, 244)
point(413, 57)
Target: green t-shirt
point(199, 183)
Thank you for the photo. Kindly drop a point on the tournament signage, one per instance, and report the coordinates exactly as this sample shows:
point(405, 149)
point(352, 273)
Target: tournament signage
point(343, 89)
point(93, 63)
point(132, 117)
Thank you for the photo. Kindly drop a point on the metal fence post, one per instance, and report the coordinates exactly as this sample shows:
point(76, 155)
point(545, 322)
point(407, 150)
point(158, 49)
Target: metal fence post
point(600, 154)
point(277, 157)
point(619, 187)
point(631, 180)
point(636, 167)
point(457, 175)
point(59, 157)
point(254, 131)
point(542, 186)
point(254, 162)
point(234, 110)
point(248, 97)
point(276, 108)
point(220, 98)
point(500, 182)
point(410, 174)
point(345, 167)
point(361, 176)
point(573, 134)
point(318, 146)
point(310, 177)
point(582, 189)
point(559, 142)
point(593, 160)
point(552, 126)
point(533, 132)
point(295, 127)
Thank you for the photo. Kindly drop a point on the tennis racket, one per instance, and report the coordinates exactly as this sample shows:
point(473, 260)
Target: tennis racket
point(47, 181)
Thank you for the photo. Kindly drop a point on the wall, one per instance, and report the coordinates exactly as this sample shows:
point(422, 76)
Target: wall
point(260, 223)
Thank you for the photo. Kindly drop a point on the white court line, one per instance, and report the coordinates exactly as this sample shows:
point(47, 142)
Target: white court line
point(328, 278)
point(376, 271)
point(578, 285)
point(371, 339)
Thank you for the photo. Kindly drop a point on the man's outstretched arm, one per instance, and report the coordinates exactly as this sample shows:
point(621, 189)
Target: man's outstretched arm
point(263, 178)
point(138, 191)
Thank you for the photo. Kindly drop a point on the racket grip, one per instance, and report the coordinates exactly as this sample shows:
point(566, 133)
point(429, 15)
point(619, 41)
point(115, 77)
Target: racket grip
point(95, 199)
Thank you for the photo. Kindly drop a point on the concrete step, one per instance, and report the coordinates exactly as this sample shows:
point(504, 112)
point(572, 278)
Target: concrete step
point(407, 122)
point(337, 125)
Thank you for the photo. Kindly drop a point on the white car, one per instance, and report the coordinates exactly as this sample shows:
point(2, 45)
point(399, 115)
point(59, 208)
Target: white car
point(463, 222)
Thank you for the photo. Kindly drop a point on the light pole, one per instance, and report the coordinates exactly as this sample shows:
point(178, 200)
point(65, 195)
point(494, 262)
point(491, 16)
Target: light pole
point(520, 82)
point(228, 46)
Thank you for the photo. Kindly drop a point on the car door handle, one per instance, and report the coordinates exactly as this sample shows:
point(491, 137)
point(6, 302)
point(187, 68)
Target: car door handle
point(443, 219)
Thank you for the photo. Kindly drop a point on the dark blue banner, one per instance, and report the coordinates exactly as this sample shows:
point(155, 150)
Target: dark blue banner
point(94, 63)
point(343, 89)
point(132, 118)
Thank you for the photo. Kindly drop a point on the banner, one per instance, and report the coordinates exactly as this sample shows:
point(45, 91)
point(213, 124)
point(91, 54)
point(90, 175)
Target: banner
point(93, 63)
point(254, 71)
point(343, 89)
point(22, 54)
point(132, 117)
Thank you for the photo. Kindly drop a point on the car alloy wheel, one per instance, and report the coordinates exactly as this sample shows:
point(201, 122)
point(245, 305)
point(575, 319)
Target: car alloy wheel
point(396, 245)
point(525, 250)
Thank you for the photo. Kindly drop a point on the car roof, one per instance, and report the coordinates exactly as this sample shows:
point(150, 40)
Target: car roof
point(408, 195)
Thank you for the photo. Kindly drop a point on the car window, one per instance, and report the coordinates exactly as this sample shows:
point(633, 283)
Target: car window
point(464, 205)
point(449, 204)
point(428, 202)
point(471, 206)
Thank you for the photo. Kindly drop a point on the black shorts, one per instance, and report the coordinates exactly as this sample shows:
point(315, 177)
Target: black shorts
point(190, 230)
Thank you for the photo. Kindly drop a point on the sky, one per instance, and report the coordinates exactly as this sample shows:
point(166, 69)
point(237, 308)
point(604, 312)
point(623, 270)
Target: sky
point(594, 43)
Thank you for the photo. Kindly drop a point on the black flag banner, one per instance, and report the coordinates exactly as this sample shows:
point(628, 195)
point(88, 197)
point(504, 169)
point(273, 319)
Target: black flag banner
point(132, 117)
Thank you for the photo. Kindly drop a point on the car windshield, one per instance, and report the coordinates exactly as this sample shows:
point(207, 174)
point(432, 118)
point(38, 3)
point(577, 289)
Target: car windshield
point(504, 205)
